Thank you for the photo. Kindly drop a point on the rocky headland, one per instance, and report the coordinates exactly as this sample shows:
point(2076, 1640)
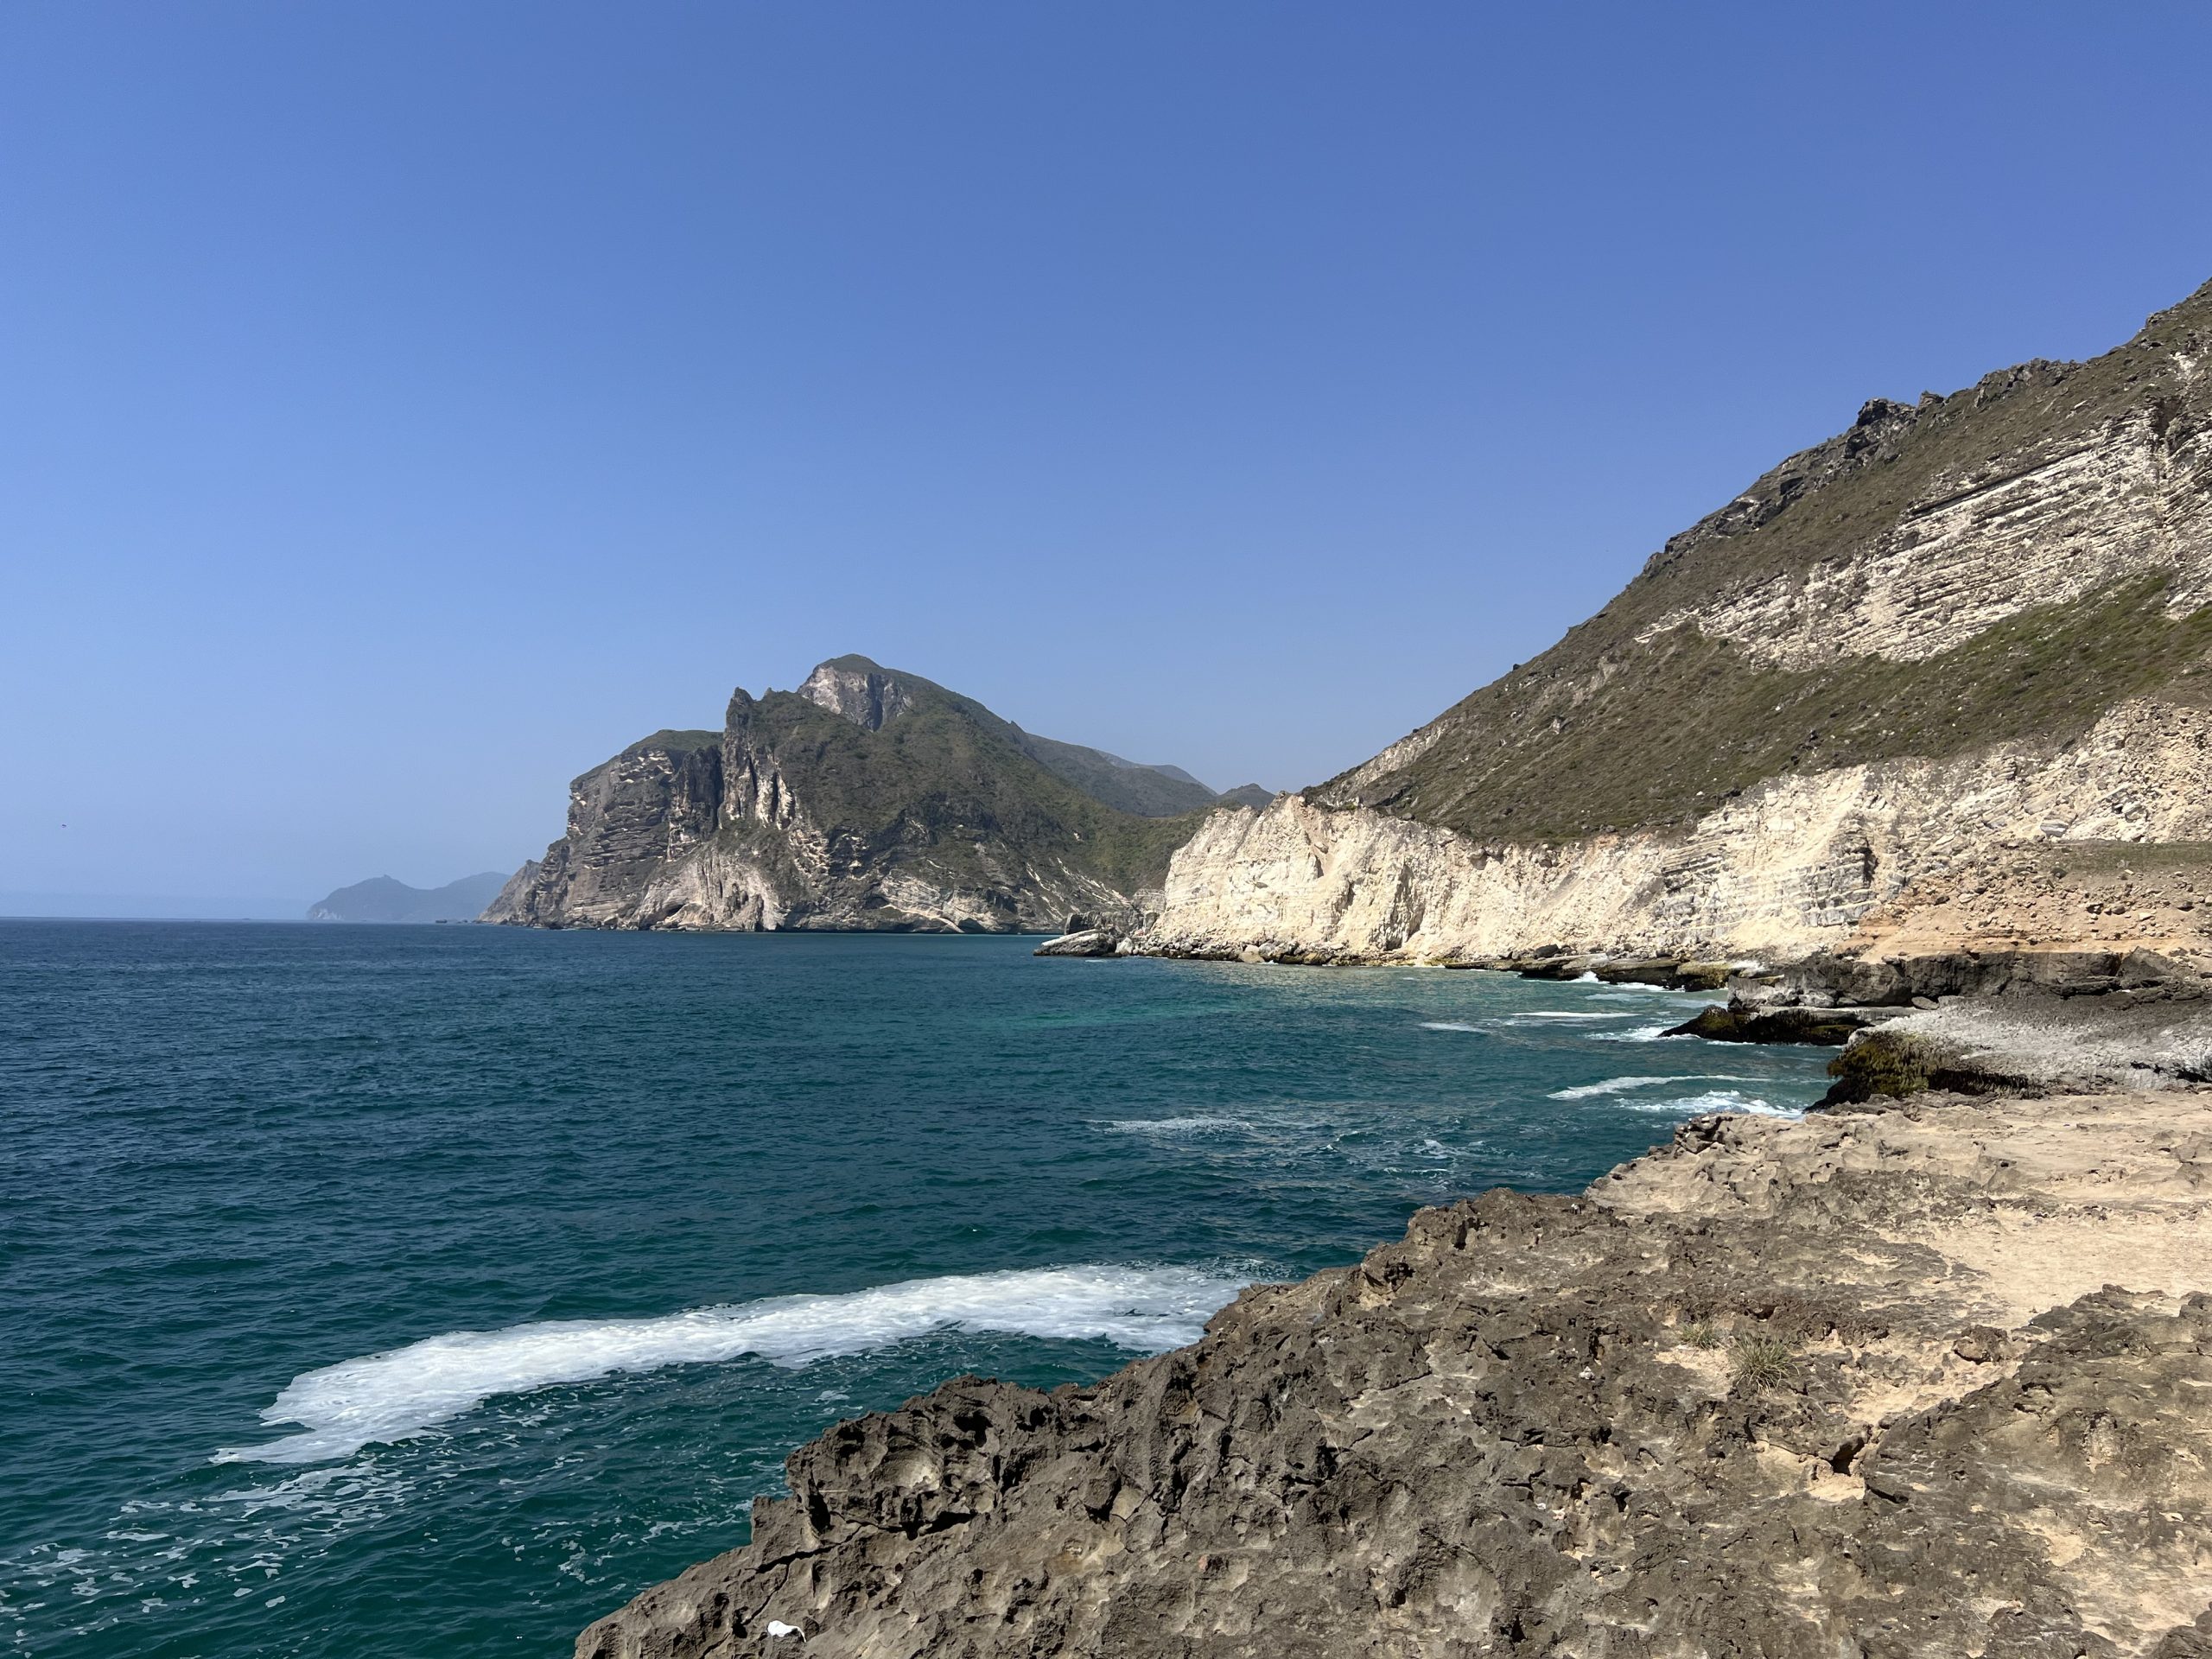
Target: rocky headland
point(868, 799)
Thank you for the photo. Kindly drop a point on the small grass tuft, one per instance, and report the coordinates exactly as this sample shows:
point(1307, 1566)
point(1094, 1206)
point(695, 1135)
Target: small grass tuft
point(1701, 1335)
point(1760, 1363)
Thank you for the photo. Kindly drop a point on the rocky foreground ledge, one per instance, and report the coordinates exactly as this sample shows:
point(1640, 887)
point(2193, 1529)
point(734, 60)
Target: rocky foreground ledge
point(1919, 1378)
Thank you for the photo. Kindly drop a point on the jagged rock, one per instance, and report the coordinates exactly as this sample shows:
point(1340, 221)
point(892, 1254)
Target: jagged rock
point(1936, 1379)
point(856, 690)
point(1833, 1026)
point(2156, 1035)
point(1088, 942)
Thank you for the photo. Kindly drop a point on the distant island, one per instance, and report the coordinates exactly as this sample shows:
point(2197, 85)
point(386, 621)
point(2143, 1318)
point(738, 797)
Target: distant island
point(381, 898)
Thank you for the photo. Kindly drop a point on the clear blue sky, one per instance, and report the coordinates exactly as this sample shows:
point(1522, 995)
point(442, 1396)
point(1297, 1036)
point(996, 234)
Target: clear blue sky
point(402, 406)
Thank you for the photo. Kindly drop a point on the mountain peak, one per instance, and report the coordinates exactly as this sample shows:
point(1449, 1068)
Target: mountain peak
point(859, 690)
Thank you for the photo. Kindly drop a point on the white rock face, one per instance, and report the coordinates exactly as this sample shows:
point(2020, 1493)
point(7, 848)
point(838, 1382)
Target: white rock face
point(1973, 549)
point(870, 697)
point(1788, 868)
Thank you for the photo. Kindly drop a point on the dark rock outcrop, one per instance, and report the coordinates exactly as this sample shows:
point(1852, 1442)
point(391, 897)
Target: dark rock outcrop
point(1829, 980)
point(1082, 942)
point(1740, 1025)
point(2153, 1029)
point(1829, 999)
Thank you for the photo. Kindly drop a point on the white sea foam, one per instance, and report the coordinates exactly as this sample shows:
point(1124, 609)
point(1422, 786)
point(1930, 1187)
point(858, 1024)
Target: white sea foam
point(1716, 1100)
point(1623, 1085)
point(1640, 1034)
point(1173, 1125)
point(396, 1395)
point(1449, 1025)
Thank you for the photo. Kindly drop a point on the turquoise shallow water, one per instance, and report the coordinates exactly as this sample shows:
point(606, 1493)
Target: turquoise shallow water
point(382, 1292)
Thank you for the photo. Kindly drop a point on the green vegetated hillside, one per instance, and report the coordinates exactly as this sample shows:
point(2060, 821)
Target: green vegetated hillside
point(948, 776)
point(1684, 722)
point(1625, 723)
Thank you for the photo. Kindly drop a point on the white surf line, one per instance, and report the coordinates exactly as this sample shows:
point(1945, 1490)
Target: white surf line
point(408, 1391)
point(1623, 1085)
point(1173, 1125)
point(1720, 1100)
point(1641, 1034)
point(1527, 1014)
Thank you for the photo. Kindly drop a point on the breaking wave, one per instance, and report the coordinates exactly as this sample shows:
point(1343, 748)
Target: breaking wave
point(1640, 1034)
point(1623, 1085)
point(408, 1391)
point(1716, 1100)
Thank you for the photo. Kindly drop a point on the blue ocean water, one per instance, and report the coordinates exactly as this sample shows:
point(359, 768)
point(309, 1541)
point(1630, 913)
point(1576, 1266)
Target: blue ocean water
point(377, 1292)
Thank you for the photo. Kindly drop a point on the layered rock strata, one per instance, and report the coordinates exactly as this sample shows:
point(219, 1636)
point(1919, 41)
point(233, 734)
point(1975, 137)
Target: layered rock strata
point(1792, 865)
point(1963, 630)
point(1930, 1379)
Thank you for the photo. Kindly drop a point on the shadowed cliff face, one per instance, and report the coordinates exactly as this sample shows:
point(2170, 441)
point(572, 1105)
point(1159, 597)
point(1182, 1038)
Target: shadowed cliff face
point(868, 799)
point(1859, 1384)
point(1966, 625)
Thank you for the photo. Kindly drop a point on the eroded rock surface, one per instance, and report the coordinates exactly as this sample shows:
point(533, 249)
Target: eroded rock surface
point(1932, 1379)
point(1792, 866)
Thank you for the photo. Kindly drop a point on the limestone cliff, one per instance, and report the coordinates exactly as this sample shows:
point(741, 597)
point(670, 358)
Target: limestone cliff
point(1964, 627)
point(869, 798)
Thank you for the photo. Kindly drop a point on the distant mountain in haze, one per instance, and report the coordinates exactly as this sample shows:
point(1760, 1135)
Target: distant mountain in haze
point(1125, 785)
point(1250, 795)
point(380, 898)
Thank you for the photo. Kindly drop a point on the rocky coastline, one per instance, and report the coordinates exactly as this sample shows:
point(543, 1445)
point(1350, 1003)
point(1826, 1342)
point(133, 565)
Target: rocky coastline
point(1906, 750)
point(1912, 1376)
